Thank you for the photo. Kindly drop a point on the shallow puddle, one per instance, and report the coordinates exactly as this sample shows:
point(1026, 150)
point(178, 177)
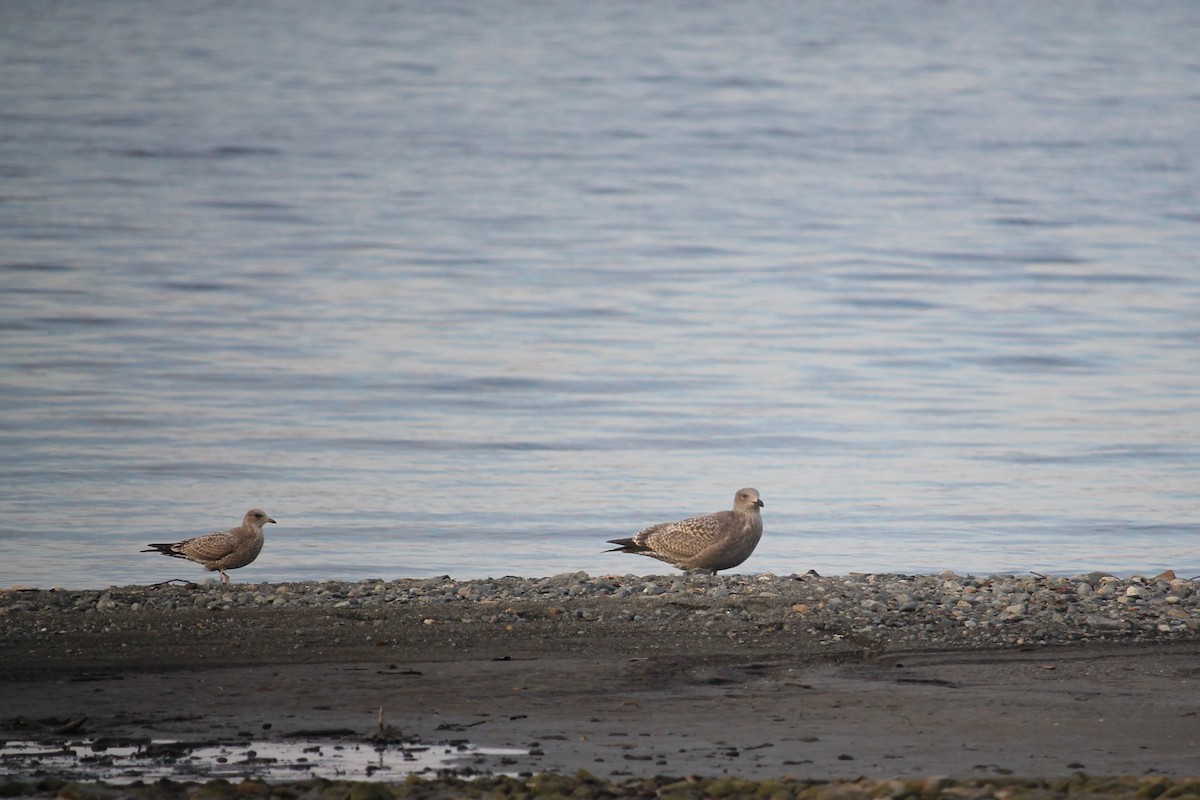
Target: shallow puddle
point(149, 760)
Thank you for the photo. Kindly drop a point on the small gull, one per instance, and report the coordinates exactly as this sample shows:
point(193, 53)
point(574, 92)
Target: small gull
point(712, 542)
point(222, 550)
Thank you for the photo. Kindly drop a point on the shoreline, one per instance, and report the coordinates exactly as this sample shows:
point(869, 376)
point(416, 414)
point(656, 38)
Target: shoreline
point(754, 677)
point(442, 618)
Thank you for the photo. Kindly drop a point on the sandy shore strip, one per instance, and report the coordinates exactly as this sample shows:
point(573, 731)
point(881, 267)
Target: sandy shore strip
point(633, 677)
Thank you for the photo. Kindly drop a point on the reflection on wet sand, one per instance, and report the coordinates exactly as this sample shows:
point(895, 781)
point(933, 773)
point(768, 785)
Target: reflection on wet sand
point(129, 760)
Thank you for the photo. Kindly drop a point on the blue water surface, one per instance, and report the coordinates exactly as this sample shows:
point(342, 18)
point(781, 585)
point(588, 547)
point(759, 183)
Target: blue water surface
point(470, 288)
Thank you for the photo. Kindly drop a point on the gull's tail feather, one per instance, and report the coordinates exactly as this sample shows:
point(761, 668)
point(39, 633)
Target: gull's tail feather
point(627, 546)
point(166, 548)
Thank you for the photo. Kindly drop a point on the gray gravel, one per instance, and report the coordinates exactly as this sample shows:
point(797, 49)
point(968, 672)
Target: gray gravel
point(892, 610)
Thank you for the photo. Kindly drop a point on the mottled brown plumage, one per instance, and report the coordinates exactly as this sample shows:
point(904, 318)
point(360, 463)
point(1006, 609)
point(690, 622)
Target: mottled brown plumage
point(712, 542)
point(223, 550)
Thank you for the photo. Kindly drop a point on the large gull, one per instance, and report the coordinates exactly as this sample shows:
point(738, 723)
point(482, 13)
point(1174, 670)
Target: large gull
point(712, 542)
point(222, 550)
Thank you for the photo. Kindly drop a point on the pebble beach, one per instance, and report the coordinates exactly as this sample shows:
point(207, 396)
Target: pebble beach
point(894, 610)
point(681, 685)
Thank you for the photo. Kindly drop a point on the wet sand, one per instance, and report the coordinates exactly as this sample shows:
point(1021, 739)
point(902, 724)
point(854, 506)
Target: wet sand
point(612, 694)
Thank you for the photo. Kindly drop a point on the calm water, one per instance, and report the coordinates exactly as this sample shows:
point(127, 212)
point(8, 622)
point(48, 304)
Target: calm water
point(470, 287)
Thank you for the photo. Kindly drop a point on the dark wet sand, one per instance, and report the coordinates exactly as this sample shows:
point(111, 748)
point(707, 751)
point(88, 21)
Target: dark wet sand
point(615, 698)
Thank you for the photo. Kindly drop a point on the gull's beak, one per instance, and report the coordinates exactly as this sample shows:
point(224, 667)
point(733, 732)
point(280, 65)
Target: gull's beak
point(270, 520)
point(758, 503)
